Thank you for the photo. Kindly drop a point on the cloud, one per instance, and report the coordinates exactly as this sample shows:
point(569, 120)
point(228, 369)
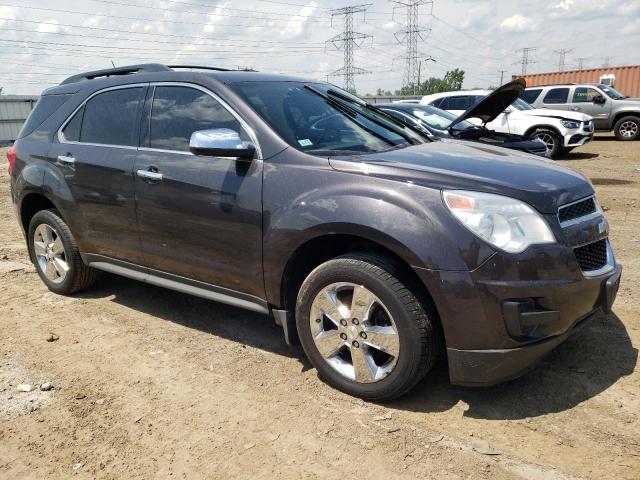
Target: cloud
point(519, 23)
point(50, 26)
point(632, 27)
point(7, 14)
point(629, 8)
point(214, 18)
point(296, 26)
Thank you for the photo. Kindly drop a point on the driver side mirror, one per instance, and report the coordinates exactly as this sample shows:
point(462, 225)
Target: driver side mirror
point(599, 99)
point(221, 142)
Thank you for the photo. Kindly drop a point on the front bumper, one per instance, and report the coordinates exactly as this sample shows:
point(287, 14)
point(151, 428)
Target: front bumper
point(482, 348)
point(577, 139)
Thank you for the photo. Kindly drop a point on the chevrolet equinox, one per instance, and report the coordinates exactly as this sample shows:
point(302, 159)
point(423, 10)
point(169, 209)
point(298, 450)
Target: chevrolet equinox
point(373, 246)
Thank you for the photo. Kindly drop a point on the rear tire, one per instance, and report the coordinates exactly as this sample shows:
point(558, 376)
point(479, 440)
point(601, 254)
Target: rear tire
point(387, 326)
point(55, 254)
point(551, 139)
point(627, 128)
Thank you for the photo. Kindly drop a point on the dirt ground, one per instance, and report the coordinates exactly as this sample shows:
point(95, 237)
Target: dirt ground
point(150, 383)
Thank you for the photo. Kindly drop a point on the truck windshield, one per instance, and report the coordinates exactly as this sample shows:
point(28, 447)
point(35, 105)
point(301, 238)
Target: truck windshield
point(320, 119)
point(612, 92)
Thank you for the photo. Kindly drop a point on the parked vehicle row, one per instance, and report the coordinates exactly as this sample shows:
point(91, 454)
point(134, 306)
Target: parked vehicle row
point(560, 130)
point(611, 110)
point(375, 246)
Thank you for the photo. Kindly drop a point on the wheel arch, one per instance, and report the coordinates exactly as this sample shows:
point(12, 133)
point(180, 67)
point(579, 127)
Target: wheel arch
point(33, 202)
point(623, 114)
point(545, 126)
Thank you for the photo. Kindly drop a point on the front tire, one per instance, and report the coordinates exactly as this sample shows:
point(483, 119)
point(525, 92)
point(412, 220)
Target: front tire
point(551, 139)
point(627, 128)
point(55, 254)
point(365, 332)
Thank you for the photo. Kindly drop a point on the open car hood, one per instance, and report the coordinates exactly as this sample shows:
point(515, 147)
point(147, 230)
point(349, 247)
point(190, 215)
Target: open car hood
point(494, 104)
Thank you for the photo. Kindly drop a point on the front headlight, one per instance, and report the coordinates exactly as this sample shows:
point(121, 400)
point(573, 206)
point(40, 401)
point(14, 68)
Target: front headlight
point(570, 124)
point(504, 222)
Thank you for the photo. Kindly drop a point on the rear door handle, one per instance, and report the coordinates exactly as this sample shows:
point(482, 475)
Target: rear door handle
point(68, 159)
point(157, 176)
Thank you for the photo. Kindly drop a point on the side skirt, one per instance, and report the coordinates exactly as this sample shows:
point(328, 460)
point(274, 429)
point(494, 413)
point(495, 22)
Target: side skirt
point(177, 283)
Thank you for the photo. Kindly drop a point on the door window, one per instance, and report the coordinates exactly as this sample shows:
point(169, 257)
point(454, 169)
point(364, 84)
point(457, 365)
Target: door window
point(461, 102)
point(585, 95)
point(109, 118)
point(557, 95)
point(177, 112)
point(530, 96)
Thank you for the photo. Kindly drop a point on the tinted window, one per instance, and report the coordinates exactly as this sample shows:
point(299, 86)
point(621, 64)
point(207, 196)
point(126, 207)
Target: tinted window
point(437, 102)
point(44, 109)
point(556, 95)
point(177, 112)
point(584, 95)
point(530, 96)
point(71, 131)
point(110, 118)
point(460, 102)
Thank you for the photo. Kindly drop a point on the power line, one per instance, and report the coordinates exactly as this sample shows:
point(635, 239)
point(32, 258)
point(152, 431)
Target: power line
point(526, 60)
point(410, 35)
point(562, 55)
point(581, 62)
point(348, 40)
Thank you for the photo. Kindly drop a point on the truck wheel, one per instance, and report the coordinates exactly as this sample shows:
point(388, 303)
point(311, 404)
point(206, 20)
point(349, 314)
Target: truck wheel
point(551, 139)
point(55, 254)
point(627, 128)
point(363, 330)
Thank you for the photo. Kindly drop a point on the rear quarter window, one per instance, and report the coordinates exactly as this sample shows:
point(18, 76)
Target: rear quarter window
point(531, 96)
point(556, 96)
point(45, 107)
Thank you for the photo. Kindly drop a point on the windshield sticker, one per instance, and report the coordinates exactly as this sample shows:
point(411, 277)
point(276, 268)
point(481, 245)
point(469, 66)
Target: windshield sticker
point(305, 142)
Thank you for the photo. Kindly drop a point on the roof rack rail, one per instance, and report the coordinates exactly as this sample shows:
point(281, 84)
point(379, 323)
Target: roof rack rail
point(200, 67)
point(108, 72)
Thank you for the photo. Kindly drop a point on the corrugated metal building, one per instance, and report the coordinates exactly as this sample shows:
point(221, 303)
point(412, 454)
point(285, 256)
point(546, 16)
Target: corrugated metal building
point(627, 79)
point(14, 110)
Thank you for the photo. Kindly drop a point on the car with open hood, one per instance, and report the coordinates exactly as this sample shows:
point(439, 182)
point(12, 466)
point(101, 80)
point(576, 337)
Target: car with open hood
point(438, 123)
point(502, 111)
point(375, 247)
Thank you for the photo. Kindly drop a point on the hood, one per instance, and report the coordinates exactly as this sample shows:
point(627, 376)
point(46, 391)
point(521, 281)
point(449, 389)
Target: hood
point(494, 104)
point(560, 114)
point(464, 165)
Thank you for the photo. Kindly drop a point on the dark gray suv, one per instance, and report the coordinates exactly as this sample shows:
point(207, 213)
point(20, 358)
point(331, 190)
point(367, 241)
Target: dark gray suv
point(374, 247)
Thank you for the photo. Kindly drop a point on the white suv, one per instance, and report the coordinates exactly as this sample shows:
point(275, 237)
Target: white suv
point(560, 130)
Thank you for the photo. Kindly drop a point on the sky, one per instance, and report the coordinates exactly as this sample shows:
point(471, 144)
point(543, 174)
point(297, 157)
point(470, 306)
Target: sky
point(44, 41)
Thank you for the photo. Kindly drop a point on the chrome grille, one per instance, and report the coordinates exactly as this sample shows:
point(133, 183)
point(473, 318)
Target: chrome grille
point(577, 210)
point(592, 256)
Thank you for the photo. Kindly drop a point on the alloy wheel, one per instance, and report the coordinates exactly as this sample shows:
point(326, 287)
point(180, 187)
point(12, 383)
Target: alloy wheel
point(547, 139)
point(50, 255)
point(628, 129)
point(354, 332)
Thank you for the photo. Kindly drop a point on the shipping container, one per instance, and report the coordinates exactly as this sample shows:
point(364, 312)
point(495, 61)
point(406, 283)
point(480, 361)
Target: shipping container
point(627, 79)
point(14, 110)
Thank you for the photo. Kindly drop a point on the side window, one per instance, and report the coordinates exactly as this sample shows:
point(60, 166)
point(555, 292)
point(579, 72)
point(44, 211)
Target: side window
point(458, 103)
point(584, 95)
point(556, 95)
point(110, 118)
point(530, 96)
point(177, 112)
point(437, 102)
point(71, 131)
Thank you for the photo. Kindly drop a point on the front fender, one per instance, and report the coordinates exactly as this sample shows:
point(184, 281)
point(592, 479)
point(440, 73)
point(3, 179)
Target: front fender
point(408, 219)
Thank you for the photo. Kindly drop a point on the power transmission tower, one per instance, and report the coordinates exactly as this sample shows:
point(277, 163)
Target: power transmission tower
point(347, 41)
point(606, 61)
point(581, 62)
point(410, 34)
point(525, 58)
point(562, 53)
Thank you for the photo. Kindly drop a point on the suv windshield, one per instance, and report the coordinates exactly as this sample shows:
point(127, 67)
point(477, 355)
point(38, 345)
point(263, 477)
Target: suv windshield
point(612, 92)
point(323, 120)
point(520, 104)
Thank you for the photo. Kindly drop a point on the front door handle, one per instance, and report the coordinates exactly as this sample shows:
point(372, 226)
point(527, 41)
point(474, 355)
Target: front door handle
point(575, 109)
point(68, 159)
point(156, 176)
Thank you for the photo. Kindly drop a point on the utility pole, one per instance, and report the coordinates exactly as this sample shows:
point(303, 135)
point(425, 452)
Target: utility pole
point(502, 72)
point(420, 71)
point(562, 53)
point(581, 62)
point(525, 58)
point(409, 35)
point(347, 41)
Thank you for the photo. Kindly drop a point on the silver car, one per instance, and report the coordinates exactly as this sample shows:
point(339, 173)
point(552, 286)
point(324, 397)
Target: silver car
point(610, 109)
